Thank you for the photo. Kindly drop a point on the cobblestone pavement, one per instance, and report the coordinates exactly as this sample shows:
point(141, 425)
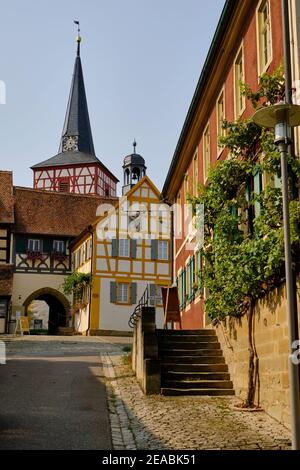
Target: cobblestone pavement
point(156, 422)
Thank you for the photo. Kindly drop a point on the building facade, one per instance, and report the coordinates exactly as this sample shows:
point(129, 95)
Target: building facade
point(126, 250)
point(37, 225)
point(6, 268)
point(247, 43)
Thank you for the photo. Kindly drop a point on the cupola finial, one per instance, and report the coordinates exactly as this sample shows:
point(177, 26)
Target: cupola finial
point(134, 146)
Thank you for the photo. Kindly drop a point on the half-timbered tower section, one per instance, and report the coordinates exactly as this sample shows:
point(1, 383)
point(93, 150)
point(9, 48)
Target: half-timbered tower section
point(76, 168)
point(131, 250)
point(247, 43)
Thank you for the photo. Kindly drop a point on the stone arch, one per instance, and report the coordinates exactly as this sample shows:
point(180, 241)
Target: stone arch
point(47, 290)
point(58, 304)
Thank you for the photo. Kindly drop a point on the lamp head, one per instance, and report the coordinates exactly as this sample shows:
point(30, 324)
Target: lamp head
point(281, 117)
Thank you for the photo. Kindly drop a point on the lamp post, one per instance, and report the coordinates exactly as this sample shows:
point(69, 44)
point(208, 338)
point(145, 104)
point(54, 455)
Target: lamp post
point(282, 117)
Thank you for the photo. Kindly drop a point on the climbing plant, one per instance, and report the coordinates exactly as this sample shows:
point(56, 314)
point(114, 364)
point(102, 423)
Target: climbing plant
point(75, 284)
point(243, 233)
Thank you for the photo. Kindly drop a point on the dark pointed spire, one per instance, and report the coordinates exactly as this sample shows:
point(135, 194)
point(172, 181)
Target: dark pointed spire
point(77, 134)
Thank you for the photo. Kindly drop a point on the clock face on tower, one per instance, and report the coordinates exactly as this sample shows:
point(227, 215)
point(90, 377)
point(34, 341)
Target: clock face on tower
point(70, 142)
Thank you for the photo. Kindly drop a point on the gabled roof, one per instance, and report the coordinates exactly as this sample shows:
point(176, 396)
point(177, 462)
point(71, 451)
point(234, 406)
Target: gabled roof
point(67, 158)
point(140, 183)
point(116, 204)
point(52, 213)
point(6, 198)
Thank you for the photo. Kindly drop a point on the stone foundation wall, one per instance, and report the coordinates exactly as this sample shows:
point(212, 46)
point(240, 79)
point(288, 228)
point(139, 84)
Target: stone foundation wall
point(272, 345)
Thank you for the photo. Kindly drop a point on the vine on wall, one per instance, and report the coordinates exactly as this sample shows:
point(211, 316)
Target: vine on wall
point(243, 234)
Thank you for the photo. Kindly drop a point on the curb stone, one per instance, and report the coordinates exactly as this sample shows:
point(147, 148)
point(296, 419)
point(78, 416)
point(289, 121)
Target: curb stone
point(122, 436)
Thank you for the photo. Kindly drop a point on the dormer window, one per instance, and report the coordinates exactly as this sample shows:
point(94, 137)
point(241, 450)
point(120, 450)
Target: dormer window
point(34, 245)
point(58, 246)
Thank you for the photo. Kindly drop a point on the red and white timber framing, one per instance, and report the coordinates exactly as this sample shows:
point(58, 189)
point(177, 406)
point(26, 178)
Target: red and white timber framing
point(80, 179)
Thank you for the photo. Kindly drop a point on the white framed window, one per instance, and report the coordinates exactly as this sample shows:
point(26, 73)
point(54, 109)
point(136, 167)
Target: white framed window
point(239, 77)
point(34, 245)
point(220, 118)
point(58, 246)
point(264, 35)
point(163, 250)
point(124, 247)
point(206, 153)
point(122, 293)
point(159, 299)
point(186, 185)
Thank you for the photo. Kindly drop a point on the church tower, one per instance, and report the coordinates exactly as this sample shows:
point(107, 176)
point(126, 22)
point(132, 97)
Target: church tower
point(134, 169)
point(75, 169)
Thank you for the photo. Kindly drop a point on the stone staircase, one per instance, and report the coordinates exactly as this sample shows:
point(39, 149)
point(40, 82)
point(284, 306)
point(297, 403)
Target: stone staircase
point(192, 363)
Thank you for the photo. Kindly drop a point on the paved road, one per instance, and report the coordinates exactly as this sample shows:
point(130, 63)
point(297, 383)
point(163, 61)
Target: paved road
point(53, 393)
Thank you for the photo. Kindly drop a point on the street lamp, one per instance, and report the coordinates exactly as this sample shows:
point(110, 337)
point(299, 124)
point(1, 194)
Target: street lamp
point(282, 117)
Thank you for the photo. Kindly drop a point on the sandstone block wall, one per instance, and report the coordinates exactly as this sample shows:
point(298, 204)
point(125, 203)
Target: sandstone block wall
point(272, 345)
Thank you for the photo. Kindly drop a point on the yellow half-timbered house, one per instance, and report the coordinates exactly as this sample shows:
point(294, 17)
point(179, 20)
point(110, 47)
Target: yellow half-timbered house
point(130, 250)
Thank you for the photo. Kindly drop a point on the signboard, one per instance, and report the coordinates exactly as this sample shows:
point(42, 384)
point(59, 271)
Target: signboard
point(171, 305)
point(22, 325)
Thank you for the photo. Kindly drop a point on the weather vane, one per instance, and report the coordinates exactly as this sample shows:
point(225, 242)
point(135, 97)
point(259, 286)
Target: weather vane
point(78, 39)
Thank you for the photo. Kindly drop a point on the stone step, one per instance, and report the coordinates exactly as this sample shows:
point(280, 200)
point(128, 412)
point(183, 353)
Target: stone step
point(190, 352)
point(199, 384)
point(171, 367)
point(189, 346)
point(188, 339)
point(195, 375)
point(208, 391)
point(202, 331)
point(65, 331)
point(195, 360)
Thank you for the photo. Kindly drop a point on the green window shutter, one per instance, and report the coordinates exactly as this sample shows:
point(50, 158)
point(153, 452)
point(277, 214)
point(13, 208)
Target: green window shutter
point(257, 186)
point(184, 287)
point(133, 245)
point(154, 249)
point(277, 181)
point(179, 290)
point(47, 245)
point(114, 247)
point(113, 292)
point(21, 244)
point(152, 293)
point(248, 190)
point(133, 293)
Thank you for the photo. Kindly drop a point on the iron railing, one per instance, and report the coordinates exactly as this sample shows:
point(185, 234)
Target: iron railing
point(144, 301)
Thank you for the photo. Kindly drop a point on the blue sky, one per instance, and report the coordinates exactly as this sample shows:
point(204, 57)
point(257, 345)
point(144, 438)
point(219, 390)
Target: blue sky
point(141, 62)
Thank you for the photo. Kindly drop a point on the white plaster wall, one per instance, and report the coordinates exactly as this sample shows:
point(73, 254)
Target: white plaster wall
point(25, 284)
point(101, 264)
point(115, 317)
point(81, 320)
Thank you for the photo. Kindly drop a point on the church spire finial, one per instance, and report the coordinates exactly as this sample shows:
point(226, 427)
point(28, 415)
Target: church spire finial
point(134, 146)
point(78, 38)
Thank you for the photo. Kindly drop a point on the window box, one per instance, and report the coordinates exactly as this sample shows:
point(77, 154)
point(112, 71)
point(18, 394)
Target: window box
point(35, 255)
point(58, 256)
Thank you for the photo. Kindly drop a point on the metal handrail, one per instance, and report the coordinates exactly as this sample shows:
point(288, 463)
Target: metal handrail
point(143, 302)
